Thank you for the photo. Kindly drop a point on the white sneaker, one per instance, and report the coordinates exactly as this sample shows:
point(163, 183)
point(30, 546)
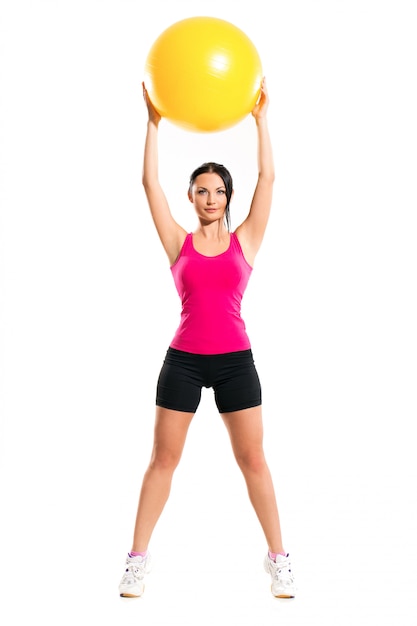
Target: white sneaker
point(132, 584)
point(283, 585)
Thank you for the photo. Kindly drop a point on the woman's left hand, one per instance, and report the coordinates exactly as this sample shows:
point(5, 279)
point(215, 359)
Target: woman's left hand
point(261, 106)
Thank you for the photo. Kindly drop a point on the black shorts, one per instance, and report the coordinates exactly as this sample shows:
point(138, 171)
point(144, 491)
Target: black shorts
point(232, 376)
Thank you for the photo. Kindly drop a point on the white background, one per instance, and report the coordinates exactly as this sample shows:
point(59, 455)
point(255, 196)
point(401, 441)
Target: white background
point(88, 308)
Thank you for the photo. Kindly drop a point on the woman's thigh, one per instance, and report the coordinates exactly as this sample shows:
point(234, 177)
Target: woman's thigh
point(170, 432)
point(245, 429)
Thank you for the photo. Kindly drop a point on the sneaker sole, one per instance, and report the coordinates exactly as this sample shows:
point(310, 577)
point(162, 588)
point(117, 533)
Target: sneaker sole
point(132, 595)
point(285, 596)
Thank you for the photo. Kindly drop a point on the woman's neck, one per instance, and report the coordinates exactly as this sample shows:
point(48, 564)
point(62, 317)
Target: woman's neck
point(216, 231)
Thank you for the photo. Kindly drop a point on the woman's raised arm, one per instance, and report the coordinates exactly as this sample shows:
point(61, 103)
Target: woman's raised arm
point(252, 229)
point(170, 232)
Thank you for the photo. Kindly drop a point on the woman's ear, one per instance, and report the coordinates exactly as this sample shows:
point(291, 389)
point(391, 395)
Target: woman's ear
point(190, 197)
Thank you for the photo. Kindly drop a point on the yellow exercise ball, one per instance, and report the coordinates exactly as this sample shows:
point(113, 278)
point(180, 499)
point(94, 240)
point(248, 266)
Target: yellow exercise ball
point(203, 74)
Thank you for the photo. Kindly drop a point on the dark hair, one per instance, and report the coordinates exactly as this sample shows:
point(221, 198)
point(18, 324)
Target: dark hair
point(226, 177)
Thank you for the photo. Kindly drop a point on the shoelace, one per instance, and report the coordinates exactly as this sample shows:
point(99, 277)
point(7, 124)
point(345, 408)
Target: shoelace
point(134, 571)
point(282, 571)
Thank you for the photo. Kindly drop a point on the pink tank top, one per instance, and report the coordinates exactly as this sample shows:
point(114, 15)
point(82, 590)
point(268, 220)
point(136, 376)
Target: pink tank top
point(211, 290)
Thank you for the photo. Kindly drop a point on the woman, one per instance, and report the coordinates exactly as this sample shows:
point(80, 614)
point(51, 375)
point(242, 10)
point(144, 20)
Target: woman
point(211, 268)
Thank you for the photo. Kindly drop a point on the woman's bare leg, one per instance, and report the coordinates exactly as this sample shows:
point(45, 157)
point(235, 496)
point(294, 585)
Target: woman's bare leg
point(245, 429)
point(170, 432)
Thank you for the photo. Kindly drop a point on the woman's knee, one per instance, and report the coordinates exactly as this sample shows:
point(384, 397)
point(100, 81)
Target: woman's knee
point(251, 461)
point(165, 459)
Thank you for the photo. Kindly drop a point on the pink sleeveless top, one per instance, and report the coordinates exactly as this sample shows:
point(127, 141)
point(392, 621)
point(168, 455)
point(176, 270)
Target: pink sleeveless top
point(211, 290)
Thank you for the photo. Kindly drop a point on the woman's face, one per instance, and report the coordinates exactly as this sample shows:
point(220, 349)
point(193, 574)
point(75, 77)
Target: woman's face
point(208, 195)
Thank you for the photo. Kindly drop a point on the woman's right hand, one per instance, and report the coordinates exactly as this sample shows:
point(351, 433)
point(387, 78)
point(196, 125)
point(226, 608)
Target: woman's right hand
point(153, 114)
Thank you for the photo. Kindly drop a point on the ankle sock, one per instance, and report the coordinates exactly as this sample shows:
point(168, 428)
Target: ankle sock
point(142, 554)
point(273, 555)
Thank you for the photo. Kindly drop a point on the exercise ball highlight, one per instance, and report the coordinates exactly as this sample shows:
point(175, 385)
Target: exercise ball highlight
point(203, 74)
